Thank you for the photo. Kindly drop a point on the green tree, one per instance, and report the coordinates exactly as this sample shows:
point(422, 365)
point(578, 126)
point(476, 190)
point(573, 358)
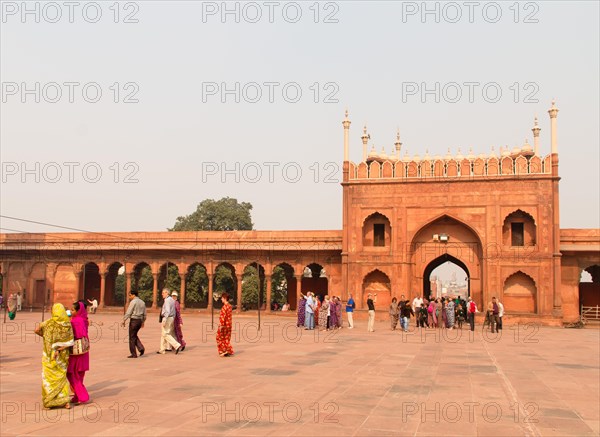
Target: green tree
point(250, 286)
point(196, 289)
point(224, 282)
point(279, 286)
point(120, 286)
point(217, 215)
point(144, 284)
point(172, 281)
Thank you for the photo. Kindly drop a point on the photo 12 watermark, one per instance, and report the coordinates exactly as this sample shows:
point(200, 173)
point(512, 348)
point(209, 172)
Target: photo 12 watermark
point(469, 92)
point(470, 12)
point(69, 12)
point(69, 172)
point(69, 92)
point(270, 12)
point(270, 412)
point(91, 412)
point(270, 172)
point(469, 412)
point(270, 92)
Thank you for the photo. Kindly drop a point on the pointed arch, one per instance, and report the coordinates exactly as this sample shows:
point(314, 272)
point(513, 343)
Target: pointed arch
point(376, 230)
point(377, 282)
point(519, 293)
point(519, 229)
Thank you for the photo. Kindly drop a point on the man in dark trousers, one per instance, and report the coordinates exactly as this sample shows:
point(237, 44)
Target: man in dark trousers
point(136, 312)
point(471, 310)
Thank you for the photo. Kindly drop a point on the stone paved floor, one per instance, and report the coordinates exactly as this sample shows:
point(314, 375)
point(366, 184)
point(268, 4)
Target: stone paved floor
point(284, 381)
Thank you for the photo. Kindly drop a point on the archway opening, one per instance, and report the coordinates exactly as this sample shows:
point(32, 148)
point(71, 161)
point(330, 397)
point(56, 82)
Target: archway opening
point(589, 287)
point(283, 286)
point(115, 286)
point(314, 278)
point(168, 277)
point(446, 276)
point(253, 287)
point(196, 287)
point(90, 282)
point(447, 239)
point(224, 280)
point(143, 282)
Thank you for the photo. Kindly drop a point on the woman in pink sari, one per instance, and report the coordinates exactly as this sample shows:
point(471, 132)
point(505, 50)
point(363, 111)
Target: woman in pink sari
point(79, 364)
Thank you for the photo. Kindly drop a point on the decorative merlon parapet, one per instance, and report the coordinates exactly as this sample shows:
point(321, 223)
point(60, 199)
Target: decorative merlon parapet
point(508, 165)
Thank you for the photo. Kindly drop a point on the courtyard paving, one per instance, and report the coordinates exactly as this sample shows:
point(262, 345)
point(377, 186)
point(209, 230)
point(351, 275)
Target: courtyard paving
point(285, 381)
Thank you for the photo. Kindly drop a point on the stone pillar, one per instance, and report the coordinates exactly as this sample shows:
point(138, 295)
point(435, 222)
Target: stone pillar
point(557, 280)
point(103, 289)
point(239, 268)
point(210, 291)
point(298, 288)
point(50, 280)
point(182, 297)
point(128, 277)
point(154, 289)
point(78, 281)
point(268, 278)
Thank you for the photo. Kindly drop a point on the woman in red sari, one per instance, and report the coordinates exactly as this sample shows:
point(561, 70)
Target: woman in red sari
point(224, 329)
point(79, 364)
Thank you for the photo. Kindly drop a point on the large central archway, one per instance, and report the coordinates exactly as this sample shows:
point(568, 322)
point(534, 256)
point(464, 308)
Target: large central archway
point(427, 291)
point(446, 239)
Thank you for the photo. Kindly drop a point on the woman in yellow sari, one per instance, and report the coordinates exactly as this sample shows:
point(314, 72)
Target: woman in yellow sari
point(58, 336)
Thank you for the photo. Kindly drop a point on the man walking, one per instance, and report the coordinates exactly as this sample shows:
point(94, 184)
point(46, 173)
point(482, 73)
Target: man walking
point(136, 313)
point(494, 311)
point(371, 305)
point(471, 310)
point(19, 301)
point(168, 317)
point(350, 305)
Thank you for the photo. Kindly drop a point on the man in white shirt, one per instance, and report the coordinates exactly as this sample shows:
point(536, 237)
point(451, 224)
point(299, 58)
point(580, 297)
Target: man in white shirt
point(416, 304)
point(94, 304)
point(19, 301)
point(500, 314)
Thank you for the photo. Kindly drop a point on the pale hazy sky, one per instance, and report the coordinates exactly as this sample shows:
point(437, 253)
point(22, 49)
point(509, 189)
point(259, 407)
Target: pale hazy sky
point(177, 135)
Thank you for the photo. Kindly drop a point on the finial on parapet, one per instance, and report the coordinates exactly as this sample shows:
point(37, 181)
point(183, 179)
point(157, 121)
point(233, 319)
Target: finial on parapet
point(365, 140)
point(398, 144)
point(553, 111)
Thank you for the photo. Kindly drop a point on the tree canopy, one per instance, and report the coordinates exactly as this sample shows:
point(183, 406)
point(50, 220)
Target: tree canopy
point(226, 214)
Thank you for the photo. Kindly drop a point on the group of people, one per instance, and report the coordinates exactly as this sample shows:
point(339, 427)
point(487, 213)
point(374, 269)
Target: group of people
point(171, 338)
point(65, 356)
point(401, 311)
point(320, 310)
point(13, 304)
point(444, 312)
point(66, 346)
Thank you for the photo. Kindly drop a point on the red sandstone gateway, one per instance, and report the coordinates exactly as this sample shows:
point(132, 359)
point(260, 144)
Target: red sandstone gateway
point(495, 216)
